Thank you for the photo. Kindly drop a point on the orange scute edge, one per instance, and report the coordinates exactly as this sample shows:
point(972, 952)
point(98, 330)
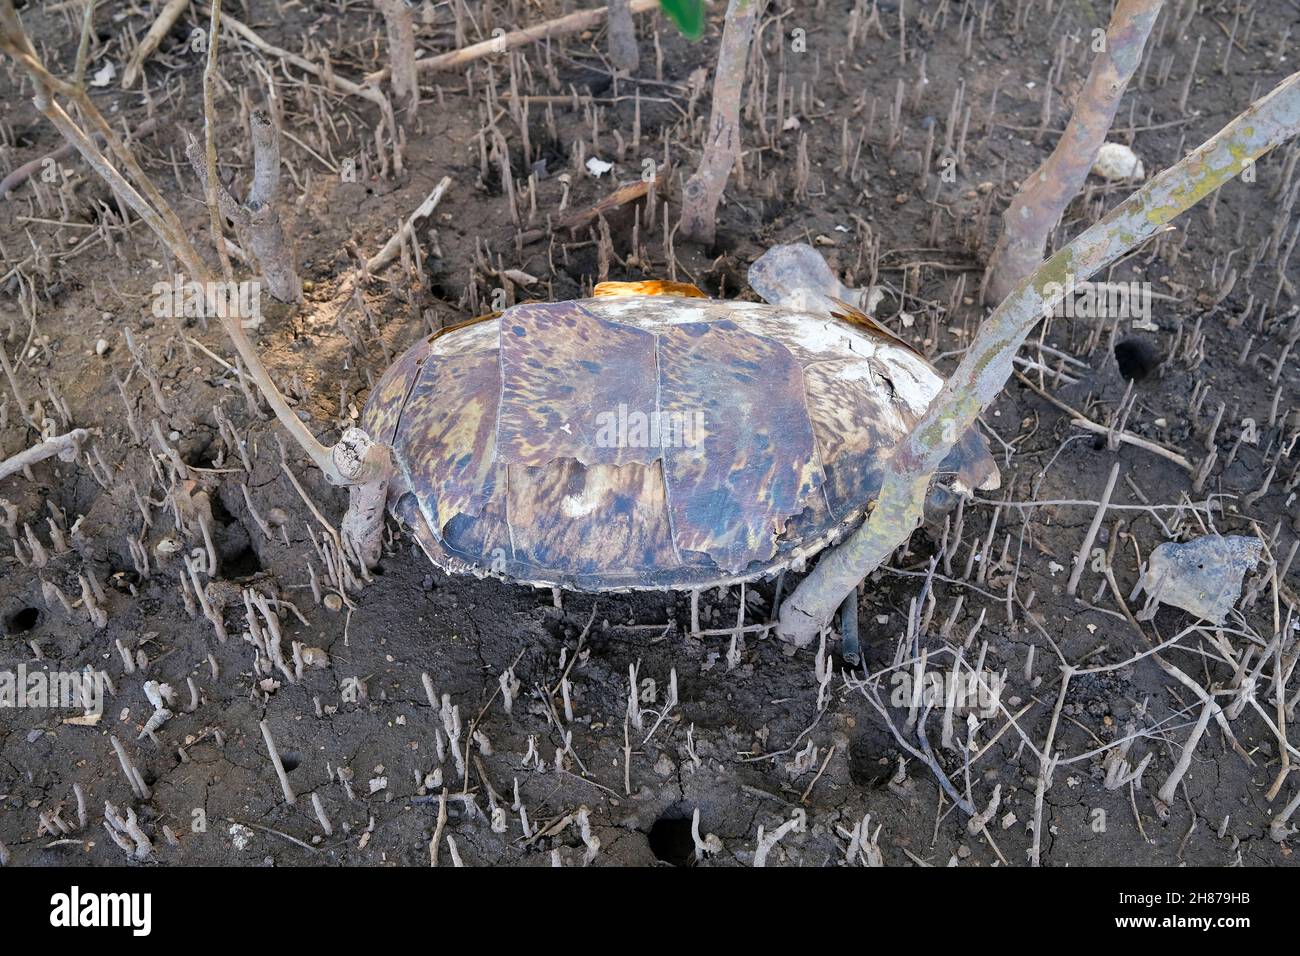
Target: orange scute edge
point(649, 287)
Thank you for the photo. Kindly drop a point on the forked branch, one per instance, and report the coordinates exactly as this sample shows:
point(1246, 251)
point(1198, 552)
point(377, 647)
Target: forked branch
point(987, 364)
point(704, 189)
point(1038, 206)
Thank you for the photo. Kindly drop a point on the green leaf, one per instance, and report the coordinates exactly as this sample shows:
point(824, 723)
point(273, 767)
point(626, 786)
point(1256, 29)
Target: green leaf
point(687, 14)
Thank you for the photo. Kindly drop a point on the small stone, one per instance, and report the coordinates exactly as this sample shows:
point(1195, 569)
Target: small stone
point(240, 836)
point(1116, 161)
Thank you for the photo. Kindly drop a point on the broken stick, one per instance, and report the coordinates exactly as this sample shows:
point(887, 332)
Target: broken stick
point(67, 447)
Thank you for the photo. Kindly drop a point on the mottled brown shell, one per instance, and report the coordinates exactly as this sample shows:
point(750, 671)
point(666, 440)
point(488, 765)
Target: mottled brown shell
point(634, 441)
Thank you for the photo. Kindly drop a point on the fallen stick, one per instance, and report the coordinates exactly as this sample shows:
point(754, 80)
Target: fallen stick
point(21, 174)
point(66, 446)
point(988, 363)
point(1082, 421)
point(393, 247)
point(1170, 786)
point(167, 18)
point(276, 762)
point(572, 23)
point(331, 79)
point(1081, 559)
point(630, 193)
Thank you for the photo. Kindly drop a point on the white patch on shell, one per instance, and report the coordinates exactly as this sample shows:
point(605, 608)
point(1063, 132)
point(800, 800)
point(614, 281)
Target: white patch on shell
point(817, 334)
point(656, 311)
point(863, 372)
point(579, 506)
point(915, 383)
point(474, 338)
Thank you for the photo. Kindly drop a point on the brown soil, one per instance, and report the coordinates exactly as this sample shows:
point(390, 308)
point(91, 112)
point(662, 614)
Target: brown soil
point(73, 275)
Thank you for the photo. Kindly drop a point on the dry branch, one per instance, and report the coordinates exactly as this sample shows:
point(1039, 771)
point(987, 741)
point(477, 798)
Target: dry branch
point(20, 174)
point(988, 362)
point(571, 23)
point(703, 190)
point(257, 217)
point(622, 196)
point(354, 460)
point(623, 52)
point(331, 78)
point(393, 247)
point(1038, 206)
point(67, 447)
point(167, 18)
point(401, 50)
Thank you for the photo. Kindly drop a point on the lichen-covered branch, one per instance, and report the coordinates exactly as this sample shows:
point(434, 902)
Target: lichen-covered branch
point(704, 190)
point(987, 364)
point(1042, 199)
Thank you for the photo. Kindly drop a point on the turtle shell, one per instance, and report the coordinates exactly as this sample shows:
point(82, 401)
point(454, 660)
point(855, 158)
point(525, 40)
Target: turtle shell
point(648, 441)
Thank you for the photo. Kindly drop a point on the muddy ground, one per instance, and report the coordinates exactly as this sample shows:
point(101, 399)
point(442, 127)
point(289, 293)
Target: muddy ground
point(754, 739)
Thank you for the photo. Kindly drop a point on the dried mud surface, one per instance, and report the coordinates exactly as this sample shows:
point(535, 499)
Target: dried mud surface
point(735, 745)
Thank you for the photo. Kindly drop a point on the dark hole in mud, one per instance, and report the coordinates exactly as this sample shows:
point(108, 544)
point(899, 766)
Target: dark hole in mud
point(22, 621)
point(1137, 358)
point(238, 556)
point(220, 513)
point(869, 765)
point(205, 457)
point(670, 838)
point(123, 580)
point(291, 759)
point(242, 564)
